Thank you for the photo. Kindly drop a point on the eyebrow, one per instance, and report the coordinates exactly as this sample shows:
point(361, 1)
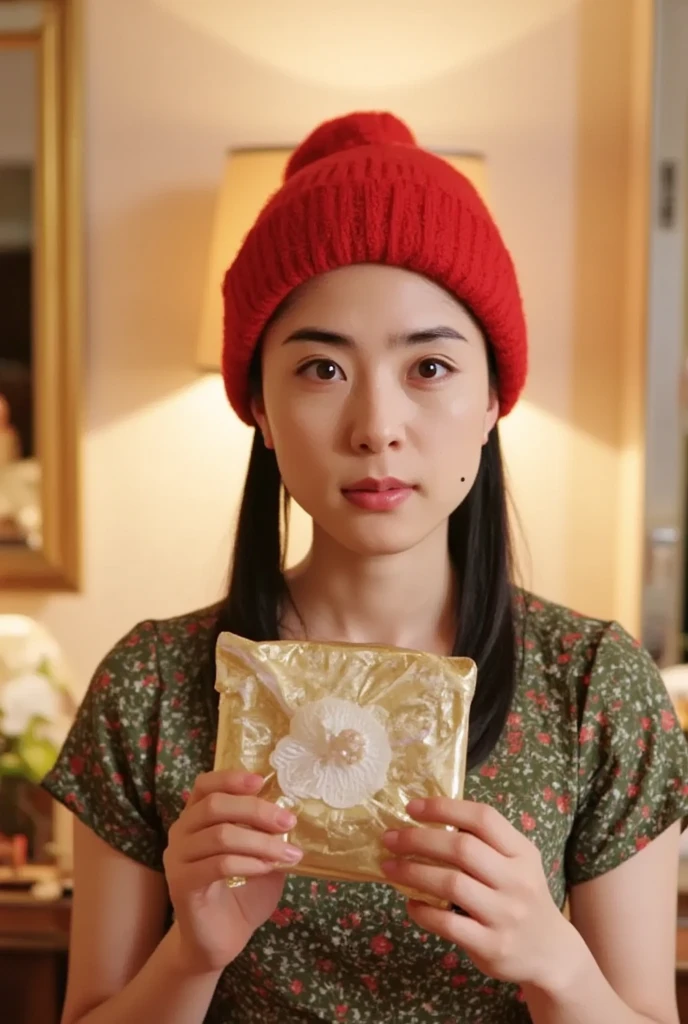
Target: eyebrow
point(346, 341)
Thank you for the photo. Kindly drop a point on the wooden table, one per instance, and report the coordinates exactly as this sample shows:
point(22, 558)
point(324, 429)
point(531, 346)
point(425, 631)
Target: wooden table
point(34, 937)
point(682, 970)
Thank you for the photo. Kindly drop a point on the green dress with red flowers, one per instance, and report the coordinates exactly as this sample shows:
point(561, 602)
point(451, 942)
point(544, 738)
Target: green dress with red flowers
point(591, 766)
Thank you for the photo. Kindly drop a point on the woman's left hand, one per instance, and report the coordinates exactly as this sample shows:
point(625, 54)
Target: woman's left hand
point(513, 930)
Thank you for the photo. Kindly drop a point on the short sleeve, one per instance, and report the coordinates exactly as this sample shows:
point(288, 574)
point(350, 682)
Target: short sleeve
point(105, 773)
point(632, 759)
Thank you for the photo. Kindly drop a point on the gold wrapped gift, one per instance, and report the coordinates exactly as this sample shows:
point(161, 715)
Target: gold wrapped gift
point(345, 736)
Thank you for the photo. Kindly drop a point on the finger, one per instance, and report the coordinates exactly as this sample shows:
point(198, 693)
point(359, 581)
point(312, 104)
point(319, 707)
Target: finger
point(476, 899)
point(218, 808)
point(479, 819)
point(203, 873)
point(472, 936)
point(237, 783)
point(239, 841)
point(460, 849)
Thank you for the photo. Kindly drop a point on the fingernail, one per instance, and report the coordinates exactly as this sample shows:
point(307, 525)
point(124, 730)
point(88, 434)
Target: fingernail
point(285, 819)
point(292, 854)
point(415, 806)
point(253, 780)
point(390, 838)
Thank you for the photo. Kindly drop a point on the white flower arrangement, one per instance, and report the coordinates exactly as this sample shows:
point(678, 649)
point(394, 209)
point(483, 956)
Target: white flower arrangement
point(36, 707)
point(336, 751)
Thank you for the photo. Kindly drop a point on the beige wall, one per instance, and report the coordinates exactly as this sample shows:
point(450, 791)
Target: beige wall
point(605, 504)
point(163, 457)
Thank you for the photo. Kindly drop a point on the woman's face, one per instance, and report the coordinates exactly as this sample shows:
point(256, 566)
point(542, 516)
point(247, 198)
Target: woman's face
point(376, 400)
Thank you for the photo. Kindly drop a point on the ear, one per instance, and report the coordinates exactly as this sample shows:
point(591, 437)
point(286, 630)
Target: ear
point(259, 415)
point(491, 415)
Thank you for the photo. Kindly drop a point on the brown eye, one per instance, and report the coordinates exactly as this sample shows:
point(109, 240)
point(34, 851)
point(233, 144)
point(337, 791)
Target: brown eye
point(325, 370)
point(432, 369)
point(321, 369)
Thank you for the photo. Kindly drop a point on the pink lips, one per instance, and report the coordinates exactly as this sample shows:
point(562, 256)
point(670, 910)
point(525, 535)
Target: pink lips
point(378, 495)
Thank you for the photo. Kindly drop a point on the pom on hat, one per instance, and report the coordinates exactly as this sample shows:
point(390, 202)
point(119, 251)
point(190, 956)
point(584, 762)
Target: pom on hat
point(342, 133)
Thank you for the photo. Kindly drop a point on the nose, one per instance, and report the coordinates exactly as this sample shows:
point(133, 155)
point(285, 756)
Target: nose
point(376, 419)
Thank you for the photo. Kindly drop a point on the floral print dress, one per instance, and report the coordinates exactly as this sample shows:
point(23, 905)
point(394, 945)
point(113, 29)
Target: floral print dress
point(591, 766)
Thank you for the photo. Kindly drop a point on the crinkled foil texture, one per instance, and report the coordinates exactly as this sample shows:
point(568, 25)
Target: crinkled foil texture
point(425, 701)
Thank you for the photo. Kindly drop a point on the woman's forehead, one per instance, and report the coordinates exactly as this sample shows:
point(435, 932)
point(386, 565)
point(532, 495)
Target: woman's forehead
point(368, 296)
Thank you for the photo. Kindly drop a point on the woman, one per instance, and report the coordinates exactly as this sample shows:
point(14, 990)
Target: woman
point(374, 335)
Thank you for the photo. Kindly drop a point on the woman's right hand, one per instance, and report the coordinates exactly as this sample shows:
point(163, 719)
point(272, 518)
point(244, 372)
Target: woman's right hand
point(225, 830)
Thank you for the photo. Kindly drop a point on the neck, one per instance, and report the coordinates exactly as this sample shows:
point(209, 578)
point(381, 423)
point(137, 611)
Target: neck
point(401, 600)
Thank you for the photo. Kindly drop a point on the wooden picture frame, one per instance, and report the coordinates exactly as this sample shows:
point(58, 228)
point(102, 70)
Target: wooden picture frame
point(56, 292)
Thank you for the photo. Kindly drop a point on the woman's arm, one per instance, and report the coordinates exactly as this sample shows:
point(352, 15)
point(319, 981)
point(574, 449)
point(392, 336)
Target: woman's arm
point(613, 965)
point(121, 967)
point(622, 964)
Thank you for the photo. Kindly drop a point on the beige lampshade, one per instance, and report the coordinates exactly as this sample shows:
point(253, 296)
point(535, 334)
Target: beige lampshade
point(250, 178)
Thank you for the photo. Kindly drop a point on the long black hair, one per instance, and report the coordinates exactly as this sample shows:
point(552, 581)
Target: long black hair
point(480, 550)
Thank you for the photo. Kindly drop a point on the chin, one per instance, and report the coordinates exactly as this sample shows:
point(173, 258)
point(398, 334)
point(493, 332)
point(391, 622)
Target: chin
point(371, 549)
point(379, 535)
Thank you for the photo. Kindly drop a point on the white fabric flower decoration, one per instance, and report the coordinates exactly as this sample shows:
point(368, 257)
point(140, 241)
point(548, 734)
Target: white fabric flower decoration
point(336, 751)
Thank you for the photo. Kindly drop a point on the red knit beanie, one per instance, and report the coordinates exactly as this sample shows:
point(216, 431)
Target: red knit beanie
point(360, 190)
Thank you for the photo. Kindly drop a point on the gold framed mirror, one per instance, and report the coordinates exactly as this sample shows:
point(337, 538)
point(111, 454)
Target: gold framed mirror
point(40, 294)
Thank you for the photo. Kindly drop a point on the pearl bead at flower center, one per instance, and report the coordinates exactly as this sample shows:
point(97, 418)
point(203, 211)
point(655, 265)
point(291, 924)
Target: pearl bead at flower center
point(345, 749)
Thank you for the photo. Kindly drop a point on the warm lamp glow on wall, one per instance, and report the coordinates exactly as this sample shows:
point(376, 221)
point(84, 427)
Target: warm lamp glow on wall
point(250, 178)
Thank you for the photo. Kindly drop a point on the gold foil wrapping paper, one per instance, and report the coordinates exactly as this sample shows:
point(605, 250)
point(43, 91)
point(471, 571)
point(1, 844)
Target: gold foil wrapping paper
point(345, 718)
